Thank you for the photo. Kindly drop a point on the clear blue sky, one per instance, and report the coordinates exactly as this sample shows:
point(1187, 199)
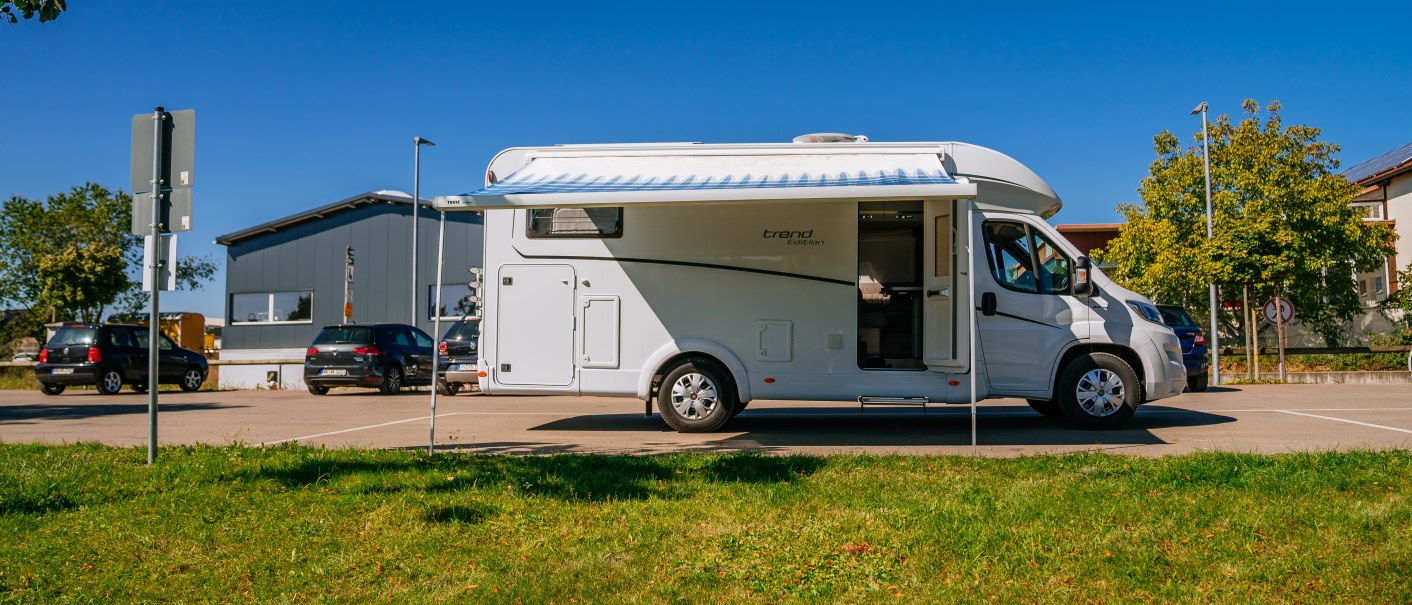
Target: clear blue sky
point(301, 104)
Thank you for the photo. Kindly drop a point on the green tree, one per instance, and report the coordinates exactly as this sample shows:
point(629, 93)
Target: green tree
point(73, 255)
point(47, 10)
point(1282, 220)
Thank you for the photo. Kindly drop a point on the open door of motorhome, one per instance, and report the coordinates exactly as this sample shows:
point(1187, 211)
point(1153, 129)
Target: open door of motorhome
point(947, 331)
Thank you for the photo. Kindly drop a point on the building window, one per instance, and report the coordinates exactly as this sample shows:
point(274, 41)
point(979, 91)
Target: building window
point(272, 307)
point(1369, 211)
point(575, 222)
point(456, 302)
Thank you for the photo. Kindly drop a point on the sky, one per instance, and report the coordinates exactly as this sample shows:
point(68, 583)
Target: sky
point(300, 104)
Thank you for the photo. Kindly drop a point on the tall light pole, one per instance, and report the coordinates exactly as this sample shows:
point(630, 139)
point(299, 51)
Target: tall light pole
point(1215, 337)
point(416, 205)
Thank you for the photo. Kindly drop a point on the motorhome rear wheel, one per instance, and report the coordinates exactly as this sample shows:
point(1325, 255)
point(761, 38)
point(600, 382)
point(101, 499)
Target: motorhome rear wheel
point(697, 396)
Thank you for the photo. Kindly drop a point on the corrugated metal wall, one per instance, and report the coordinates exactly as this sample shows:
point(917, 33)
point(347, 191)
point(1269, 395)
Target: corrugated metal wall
point(309, 256)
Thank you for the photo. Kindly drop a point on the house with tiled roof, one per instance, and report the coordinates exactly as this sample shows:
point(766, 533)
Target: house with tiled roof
point(1386, 197)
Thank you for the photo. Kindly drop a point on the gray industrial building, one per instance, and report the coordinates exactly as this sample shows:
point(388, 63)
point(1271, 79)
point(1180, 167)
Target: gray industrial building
point(285, 278)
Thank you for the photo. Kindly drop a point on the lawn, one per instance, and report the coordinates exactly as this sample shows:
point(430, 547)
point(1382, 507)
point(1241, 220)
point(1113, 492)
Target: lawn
point(89, 523)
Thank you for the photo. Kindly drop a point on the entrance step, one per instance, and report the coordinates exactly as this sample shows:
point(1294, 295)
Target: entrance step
point(866, 400)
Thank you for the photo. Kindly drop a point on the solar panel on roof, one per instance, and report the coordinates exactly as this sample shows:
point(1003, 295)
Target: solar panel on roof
point(1380, 164)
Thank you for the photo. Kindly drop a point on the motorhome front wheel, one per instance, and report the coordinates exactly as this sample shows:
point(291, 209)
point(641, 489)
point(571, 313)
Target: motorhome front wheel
point(696, 397)
point(1098, 391)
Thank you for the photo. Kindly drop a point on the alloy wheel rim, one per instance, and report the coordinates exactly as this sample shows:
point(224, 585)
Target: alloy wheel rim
point(1100, 392)
point(193, 379)
point(694, 396)
point(112, 381)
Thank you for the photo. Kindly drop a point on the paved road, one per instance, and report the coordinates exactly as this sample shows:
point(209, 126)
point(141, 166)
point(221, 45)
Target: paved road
point(1260, 418)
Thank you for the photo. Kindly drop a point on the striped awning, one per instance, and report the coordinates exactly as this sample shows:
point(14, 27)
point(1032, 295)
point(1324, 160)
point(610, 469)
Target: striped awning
point(597, 180)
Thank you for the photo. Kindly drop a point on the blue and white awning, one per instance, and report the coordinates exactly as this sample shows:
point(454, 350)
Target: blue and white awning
point(599, 180)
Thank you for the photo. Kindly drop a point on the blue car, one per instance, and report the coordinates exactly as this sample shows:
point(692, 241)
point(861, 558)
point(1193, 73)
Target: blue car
point(1194, 352)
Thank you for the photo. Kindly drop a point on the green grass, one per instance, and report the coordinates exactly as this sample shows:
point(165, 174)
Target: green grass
point(17, 379)
point(87, 523)
point(1343, 362)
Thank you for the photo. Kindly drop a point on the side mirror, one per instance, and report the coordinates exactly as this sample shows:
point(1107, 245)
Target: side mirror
point(1083, 284)
point(988, 304)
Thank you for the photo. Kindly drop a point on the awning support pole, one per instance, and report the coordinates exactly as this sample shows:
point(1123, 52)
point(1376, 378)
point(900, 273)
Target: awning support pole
point(436, 332)
point(971, 303)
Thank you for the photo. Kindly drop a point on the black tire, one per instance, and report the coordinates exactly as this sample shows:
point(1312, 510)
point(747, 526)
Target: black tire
point(138, 387)
point(1198, 383)
point(1048, 407)
point(316, 389)
point(1098, 391)
point(697, 396)
point(51, 389)
point(391, 380)
point(739, 407)
point(110, 381)
point(191, 379)
point(447, 389)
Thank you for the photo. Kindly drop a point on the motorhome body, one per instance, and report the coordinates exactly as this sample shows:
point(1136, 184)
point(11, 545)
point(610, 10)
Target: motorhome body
point(706, 276)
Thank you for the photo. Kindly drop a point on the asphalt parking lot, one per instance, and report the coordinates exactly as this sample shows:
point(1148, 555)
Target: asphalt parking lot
point(1256, 418)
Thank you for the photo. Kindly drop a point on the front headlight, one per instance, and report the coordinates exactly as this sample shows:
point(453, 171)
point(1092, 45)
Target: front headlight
point(1147, 311)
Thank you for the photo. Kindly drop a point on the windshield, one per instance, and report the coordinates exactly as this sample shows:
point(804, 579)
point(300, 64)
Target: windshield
point(67, 337)
point(463, 331)
point(335, 336)
point(1176, 316)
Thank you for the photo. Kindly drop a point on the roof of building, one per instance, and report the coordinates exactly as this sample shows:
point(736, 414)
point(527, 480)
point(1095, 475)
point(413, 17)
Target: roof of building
point(1089, 228)
point(1385, 165)
point(385, 196)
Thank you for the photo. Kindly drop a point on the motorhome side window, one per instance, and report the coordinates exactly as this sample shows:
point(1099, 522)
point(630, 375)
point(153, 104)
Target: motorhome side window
point(575, 222)
point(1024, 260)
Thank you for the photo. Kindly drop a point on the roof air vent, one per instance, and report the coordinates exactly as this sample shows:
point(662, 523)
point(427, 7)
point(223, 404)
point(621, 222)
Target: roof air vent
point(831, 137)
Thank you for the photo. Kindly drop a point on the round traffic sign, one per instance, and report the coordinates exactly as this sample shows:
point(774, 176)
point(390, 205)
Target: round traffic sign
point(1278, 311)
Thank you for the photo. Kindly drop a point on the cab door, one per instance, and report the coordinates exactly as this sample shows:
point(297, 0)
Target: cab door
point(1027, 312)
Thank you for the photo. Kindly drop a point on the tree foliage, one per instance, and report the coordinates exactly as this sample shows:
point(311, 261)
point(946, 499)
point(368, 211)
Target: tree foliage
point(1281, 220)
point(46, 10)
point(73, 255)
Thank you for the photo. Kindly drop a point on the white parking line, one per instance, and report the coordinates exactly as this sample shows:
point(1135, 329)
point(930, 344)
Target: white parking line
point(1367, 424)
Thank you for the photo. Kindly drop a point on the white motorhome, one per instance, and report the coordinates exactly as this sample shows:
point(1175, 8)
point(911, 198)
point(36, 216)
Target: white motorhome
point(703, 277)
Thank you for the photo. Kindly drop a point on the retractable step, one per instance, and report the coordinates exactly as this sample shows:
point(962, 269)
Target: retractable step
point(866, 400)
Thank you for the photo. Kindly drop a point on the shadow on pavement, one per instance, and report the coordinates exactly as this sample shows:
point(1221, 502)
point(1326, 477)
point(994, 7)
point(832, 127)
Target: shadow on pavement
point(997, 425)
point(31, 413)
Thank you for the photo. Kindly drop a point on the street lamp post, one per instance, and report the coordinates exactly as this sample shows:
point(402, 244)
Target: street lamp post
point(416, 204)
point(1215, 336)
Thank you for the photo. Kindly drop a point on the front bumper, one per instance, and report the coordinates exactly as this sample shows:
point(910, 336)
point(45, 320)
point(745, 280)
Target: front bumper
point(1166, 372)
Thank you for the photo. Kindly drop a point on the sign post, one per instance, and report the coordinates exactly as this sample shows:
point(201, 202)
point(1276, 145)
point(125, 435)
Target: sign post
point(1279, 311)
point(170, 137)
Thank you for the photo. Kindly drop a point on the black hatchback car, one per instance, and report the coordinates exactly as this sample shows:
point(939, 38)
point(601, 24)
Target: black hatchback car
point(109, 356)
point(386, 357)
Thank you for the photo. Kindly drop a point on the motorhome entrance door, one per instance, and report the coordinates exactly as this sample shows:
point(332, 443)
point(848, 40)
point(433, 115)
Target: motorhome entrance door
point(536, 306)
point(940, 285)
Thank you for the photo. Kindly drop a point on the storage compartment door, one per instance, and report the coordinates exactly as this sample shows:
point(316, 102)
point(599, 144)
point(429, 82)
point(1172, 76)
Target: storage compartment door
point(601, 332)
point(535, 331)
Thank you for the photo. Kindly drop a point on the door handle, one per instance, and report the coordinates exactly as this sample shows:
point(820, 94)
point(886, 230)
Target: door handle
point(988, 304)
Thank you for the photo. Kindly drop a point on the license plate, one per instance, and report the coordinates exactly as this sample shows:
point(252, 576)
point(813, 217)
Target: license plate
point(63, 370)
point(333, 372)
point(463, 367)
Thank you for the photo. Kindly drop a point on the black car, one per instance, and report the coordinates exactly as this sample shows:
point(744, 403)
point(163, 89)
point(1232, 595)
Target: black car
point(109, 356)
point(1194, 353)
point(386, 357)
point(457, 354)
